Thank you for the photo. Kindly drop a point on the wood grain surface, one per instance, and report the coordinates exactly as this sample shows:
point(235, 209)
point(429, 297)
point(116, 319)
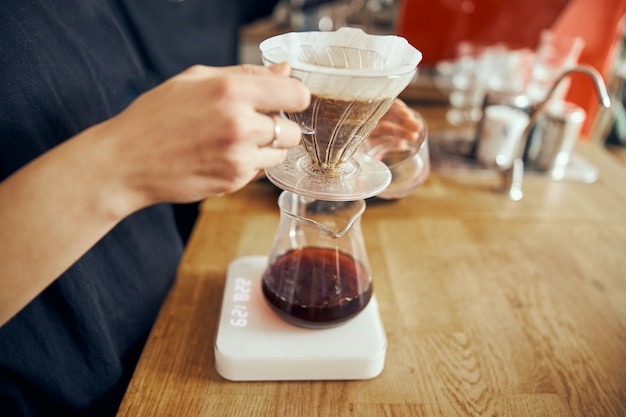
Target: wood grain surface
point(491, 307)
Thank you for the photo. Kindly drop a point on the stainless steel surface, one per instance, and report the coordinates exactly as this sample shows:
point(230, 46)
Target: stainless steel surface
point(513, 171)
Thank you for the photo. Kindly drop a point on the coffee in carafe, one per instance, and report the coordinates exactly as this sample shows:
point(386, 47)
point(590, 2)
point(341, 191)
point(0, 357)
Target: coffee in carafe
point(332, 286)
point(317, 274)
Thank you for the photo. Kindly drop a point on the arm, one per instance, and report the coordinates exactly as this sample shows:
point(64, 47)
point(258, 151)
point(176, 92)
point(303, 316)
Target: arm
point(199, 134)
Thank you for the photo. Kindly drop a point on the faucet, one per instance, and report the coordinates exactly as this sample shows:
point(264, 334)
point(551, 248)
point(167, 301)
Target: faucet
point(511, 175)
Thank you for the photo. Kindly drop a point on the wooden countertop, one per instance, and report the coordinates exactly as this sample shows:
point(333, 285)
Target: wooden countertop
point(490, 307)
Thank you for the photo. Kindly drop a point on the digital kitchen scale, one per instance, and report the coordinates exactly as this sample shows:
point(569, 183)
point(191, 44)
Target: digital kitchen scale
point(254, 344)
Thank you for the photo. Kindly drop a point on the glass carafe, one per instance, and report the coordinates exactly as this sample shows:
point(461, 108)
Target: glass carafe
point(318, 274)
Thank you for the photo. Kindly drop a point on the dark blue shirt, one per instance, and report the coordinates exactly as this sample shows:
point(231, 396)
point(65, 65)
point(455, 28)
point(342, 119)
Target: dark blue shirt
point(64, 66)
point(173, 35)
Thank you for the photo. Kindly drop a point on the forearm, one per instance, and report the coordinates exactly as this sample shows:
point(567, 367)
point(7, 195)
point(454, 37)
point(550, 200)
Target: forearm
point(51, 212)
point(196, 135)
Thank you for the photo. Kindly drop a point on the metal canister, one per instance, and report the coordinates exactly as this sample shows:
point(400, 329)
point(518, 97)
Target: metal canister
point(499, 98)
point(498, 134)
point(556, 132)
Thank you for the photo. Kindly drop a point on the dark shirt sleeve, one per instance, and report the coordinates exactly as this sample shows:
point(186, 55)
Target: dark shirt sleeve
point(176, 35)
point(65, 66)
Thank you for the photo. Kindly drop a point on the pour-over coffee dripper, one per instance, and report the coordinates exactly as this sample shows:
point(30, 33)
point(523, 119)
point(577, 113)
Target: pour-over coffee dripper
point(353, 78)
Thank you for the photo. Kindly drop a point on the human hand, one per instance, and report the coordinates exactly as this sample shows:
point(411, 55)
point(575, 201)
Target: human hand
point(398, 141)
point(204, 132)
point(400, 121)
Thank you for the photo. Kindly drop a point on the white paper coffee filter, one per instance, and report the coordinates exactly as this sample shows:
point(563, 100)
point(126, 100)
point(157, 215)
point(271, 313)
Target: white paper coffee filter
point(345, 63)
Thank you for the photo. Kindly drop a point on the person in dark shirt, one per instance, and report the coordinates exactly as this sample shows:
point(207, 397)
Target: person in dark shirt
point(92, 152)
point(173, 35)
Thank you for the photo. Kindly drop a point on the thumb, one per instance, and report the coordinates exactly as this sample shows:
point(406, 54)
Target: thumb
point(280, 69)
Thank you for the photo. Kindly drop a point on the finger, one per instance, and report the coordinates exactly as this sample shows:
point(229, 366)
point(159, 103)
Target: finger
point(275, 94)
point(282, 69)
point(283, 133)
point(267, 89)
point(269, 157)
point(293, 93)
point(386, 128)
point(402, 114)
point(266, 93)
point(395, 112)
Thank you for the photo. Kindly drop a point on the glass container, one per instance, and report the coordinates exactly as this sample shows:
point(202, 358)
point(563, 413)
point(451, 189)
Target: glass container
point(318, 275)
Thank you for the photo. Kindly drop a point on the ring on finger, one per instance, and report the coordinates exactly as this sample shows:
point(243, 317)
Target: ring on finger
point(277, 129)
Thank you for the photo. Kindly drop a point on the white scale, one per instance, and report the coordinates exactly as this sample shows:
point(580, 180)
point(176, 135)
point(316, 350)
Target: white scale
point(254, 344)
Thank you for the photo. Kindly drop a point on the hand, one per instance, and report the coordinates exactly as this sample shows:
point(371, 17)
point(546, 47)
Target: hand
point(205, 132)
point(399, 121)
point(201, 133)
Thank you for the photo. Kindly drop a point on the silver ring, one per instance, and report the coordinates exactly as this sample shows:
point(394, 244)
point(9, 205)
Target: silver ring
point(274, 143)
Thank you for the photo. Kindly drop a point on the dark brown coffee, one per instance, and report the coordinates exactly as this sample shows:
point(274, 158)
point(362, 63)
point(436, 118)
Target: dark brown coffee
point(316, 287)
point(340, 126)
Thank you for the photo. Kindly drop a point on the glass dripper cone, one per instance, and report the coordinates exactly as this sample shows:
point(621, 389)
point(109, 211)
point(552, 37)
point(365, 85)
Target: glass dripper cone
point(353, 78)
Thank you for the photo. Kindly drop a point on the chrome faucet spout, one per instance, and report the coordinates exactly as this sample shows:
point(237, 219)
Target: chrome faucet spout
point(598, 82)
point(511, 175)
point(595, 76)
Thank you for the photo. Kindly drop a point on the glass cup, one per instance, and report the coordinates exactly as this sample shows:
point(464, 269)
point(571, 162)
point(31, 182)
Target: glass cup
point(555, 54)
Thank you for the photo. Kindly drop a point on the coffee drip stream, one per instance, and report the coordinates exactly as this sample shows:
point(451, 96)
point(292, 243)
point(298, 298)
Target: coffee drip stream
point(318, 274)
